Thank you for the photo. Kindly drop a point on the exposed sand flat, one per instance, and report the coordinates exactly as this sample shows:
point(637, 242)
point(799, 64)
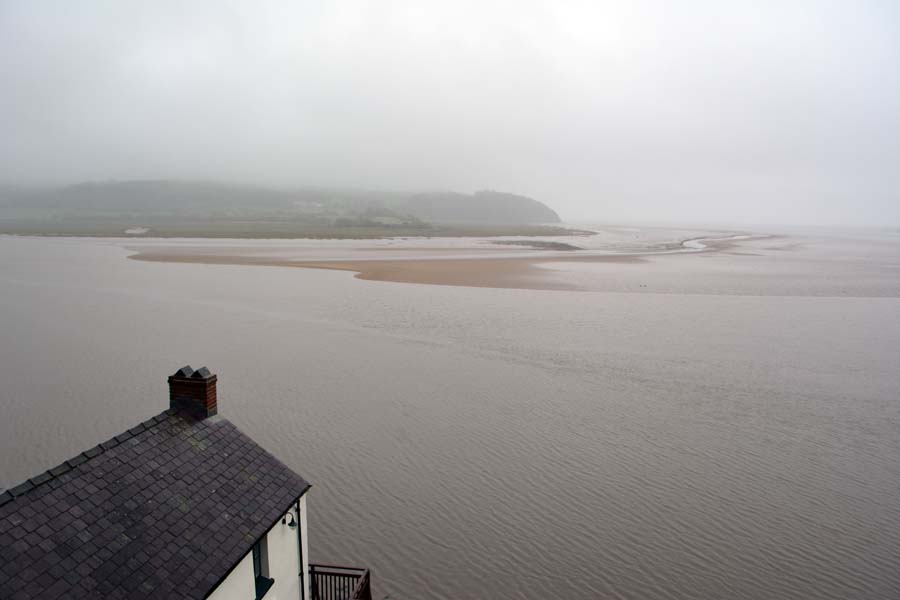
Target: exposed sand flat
point(657, 261)
point(481, 263)
point(511, 272)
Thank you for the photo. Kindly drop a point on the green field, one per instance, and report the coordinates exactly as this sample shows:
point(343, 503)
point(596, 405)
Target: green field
point(261, 229)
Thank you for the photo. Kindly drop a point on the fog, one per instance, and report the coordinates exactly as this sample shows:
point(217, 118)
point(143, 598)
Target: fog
point(737, 112)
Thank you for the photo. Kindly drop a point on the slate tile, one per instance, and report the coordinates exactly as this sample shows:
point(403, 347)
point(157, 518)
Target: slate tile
point(21, 488)
point(42, 478)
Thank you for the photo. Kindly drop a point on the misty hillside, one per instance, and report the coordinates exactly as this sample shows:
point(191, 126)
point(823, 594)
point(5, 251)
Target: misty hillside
point(483, 206)
point(219, 200)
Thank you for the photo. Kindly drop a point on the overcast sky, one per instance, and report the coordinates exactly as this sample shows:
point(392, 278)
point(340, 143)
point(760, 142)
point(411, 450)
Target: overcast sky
point(720, 111)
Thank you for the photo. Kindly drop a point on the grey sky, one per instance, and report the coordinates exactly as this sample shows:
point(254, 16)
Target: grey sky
point(719, 111)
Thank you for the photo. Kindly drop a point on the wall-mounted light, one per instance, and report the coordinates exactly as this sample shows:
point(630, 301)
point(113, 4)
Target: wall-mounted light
point(292, 523)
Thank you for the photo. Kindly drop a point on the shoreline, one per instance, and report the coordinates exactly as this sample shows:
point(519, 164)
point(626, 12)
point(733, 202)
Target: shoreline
point(252, 231)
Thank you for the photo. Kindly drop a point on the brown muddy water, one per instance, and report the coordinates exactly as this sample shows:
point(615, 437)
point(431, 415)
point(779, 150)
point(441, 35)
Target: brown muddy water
point(714, 425)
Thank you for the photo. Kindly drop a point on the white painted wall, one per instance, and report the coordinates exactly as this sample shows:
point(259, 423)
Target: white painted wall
point(284, 565)
point(239, 583)
point(304, 532)
point(284, 562)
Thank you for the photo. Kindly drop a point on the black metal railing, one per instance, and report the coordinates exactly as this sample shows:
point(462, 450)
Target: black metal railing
point(331, 582)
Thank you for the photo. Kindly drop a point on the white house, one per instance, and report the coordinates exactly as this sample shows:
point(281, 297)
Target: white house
point(183, 505)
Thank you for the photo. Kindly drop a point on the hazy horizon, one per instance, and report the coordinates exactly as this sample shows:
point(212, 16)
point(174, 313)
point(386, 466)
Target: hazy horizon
point(745, 113)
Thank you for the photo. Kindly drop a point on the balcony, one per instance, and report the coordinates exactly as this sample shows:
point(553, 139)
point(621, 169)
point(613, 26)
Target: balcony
point(331, 582)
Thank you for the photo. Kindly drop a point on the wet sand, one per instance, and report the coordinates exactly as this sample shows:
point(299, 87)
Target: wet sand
point(784, 265)
point(512, 272)
point(479, 268)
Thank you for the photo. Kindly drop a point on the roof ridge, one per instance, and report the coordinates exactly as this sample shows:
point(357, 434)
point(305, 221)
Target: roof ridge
point(81, 458)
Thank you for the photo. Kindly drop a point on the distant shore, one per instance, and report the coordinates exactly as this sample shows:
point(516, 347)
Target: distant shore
point(278, 230)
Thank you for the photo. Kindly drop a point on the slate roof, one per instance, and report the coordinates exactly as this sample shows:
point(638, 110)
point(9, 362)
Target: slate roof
point(164, 510)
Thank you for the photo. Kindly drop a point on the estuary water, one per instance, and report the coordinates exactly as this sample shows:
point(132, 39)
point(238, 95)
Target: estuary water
point(706, 425)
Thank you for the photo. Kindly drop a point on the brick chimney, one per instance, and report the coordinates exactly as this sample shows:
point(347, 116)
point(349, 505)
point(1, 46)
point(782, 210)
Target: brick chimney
point(194, 391)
